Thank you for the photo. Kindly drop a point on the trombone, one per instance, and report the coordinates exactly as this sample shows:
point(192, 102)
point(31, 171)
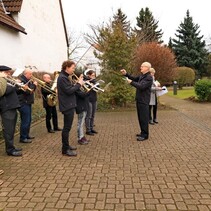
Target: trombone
point(43, 85)
point(13, 82)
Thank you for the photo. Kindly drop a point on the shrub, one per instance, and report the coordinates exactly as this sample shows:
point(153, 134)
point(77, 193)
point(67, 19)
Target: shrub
point(203, 90)
point(184, 75)
point(161, 58)
point(119, 93)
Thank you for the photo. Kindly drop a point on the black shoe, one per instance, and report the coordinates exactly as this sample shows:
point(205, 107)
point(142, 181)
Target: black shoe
point(72, 148)
point(94, 131)
point(140, 138)
point(15, 153)
point(138, 134)
point(18, 149)
point(26, 141)
point(89, 133)
point(69, 153)
point(51, 131)
point(155, 121)
point(30, 137)
point(58, 129)
point(151, 122)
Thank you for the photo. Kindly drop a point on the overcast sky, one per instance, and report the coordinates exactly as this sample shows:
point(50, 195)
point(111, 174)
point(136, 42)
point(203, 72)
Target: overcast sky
point(81, 13)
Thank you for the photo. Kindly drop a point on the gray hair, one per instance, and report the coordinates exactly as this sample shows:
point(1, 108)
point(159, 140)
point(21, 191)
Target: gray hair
point(147, 64)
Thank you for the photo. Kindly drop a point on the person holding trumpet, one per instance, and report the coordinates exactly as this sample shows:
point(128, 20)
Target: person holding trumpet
point(26, 99)
point(67, 102)
point(92, 104)
point(8, 110)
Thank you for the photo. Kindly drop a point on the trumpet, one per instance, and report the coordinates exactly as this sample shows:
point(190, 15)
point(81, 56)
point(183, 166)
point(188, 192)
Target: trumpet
point(74, 78)
point(43, 85)
point(13, 82)
point(95, 87)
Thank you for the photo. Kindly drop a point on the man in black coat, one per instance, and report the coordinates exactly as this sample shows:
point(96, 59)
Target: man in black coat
point(67, 102)
point(51, 111)
point(26, 99)
point(143, 85)
point(8, 110)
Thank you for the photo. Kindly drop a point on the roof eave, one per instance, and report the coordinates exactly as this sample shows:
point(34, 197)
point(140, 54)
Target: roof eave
point(18, 29)
point(63, 20)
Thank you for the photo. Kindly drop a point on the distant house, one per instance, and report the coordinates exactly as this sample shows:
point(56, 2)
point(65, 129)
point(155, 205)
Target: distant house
point(33, 33)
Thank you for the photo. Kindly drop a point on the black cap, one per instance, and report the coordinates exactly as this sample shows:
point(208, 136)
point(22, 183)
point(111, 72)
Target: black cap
point(4, 68)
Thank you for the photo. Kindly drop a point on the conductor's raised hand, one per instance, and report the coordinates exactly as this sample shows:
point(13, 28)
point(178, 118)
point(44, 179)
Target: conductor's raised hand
point(123, 71)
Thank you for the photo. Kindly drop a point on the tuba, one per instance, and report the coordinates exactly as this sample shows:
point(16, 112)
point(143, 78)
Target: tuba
point(52, 98)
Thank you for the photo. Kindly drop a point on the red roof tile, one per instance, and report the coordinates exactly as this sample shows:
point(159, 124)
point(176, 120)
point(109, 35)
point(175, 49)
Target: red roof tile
point(8, 21)
point(12, 5)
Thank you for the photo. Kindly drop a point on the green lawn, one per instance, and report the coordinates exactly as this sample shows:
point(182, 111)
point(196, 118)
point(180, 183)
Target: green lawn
point(184, 93)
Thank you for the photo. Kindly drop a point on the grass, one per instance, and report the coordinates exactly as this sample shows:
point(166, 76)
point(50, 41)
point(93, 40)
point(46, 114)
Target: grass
point(184, 93)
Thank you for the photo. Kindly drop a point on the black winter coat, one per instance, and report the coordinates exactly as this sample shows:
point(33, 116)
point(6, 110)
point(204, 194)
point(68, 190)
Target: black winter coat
point(66, 92)
point(45, 93)
point(26, 97)
point(9, 100)
point(143, 85)
point(81, 101)
point(92, 93)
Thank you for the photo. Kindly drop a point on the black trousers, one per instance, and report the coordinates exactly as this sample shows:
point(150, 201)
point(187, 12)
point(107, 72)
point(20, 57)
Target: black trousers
point(68, 121)
point(51, 113)
point(143, 118)
point(153, 110)
point(9, 119)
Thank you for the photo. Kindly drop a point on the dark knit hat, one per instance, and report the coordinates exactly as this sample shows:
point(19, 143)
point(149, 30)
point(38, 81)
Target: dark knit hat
point(4, 68)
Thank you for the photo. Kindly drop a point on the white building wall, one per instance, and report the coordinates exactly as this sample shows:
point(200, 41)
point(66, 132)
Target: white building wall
point(44, 46)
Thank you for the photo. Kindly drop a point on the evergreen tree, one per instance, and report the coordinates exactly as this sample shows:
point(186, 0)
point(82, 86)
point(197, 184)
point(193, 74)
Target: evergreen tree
point(170, 44)
point(147, 30)
point(115, 47)
point(189, 48)
point(120, 19)
point(115, 42)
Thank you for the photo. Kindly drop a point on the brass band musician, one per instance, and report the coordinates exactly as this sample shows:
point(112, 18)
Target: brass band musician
point(67, 102)
point(51, 111)
point(8, 110)
point(26, 99)
point(92, 105)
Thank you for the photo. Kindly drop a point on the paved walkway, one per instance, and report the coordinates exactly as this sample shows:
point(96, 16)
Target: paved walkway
point(170, 171)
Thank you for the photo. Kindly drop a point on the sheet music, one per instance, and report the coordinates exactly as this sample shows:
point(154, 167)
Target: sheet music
point(162, 92)
point(17, 72)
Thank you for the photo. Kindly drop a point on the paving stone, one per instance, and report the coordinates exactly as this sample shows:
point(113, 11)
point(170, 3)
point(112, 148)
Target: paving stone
point(114, 172)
